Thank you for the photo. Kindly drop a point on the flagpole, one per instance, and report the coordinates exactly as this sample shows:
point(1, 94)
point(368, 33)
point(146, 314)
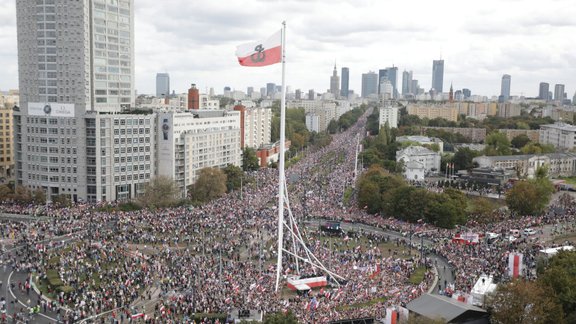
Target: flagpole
point(281, 160)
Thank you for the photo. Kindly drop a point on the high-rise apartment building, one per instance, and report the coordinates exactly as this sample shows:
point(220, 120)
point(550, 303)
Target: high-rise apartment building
point(543, 91)
point(162, 85)
point(369, 84)
point(335, 83)
point(345, 82)
point(559, 92)
point(438, 75)
point(75, 59)
point(505, 87)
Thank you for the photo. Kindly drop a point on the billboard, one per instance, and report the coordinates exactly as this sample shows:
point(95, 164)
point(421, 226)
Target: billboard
point(50, 109)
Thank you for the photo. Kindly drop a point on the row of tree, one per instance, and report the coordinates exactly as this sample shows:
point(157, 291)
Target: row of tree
point(379, 191)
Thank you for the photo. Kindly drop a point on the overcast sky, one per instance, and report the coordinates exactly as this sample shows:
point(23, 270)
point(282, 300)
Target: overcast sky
point(195, 41)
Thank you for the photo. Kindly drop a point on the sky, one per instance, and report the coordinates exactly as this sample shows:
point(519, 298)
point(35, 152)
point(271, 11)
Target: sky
point(195, 42)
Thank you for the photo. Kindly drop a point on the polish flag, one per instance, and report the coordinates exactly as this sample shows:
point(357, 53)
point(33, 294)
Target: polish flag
point(515, 264)
point(261, 53)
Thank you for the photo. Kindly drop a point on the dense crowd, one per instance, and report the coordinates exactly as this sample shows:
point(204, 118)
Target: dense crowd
point(221, 256)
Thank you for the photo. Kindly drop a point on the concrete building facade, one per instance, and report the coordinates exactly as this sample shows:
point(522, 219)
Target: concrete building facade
point(6, 141)
point(190, 141)
point(561, 135)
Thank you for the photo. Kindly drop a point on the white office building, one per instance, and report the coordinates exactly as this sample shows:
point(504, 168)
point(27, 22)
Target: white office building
point(188, 141)
point(429, 159)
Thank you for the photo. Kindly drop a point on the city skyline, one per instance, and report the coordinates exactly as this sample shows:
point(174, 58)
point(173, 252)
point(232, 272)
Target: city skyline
point(502, 37)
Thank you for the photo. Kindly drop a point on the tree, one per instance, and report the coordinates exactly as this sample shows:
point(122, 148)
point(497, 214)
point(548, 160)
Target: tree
point(5, 192)
point(62, 200)
point(537, 148)
point(160, 192)
point(462, 159)
point(332, 127)
point(560, 276)
point(525, 302)
point(529, 197)
point(249, 159)
point(520, 140)
point(210, 184)
point(234, 176)
point(483, 210)
point(497, 144)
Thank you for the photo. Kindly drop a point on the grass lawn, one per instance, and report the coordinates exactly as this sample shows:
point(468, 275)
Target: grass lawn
point(387, 249)
point(418, 275)
point(362, 304)
point(569, 180)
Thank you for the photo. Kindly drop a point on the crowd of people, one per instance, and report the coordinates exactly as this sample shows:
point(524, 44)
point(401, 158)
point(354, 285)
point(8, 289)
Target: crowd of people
point(181, 261)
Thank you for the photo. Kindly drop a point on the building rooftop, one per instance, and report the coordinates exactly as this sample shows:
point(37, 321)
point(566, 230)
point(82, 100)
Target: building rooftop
point(418, 138)
point(561, 126)
point(451, 310)
point(416, 150)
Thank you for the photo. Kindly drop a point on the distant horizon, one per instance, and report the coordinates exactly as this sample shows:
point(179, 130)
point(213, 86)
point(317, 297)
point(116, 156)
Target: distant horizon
point(524, 39)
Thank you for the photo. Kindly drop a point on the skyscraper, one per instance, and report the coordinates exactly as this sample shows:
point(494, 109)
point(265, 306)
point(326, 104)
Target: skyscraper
point(335, 83)
point(407, 83)
point(369, 84)
point(162, 85)
point(345, 82)
point(438, 75)
point(75, 60)
point(543, 91)
point(559, 92)
point(505, 87)
point(382, 77)
point(393, 78)
point(270, 89)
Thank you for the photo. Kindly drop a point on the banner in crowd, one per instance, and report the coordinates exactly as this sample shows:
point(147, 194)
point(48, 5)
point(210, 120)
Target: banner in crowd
point(391, 316)
point(515, 266)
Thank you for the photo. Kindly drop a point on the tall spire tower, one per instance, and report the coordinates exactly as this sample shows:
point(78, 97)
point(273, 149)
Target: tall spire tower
point(335, 83)
point(451, 94)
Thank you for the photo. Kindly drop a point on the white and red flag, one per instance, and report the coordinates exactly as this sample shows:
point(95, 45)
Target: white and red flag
point(515, 264)
point(261, 53)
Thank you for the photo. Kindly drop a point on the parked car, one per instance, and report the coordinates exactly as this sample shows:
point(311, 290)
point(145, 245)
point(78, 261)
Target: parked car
point(529, 231)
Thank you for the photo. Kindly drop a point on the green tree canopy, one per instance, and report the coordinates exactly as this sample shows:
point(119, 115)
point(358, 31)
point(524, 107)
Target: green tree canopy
point(497, 144)
point(529, 197)
point(520, 140)
point(525, 302)
point(161, 191)
point(210, 184)
point(249, 159)
point(234, 176)
point(560, 276)
point(462, 159)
